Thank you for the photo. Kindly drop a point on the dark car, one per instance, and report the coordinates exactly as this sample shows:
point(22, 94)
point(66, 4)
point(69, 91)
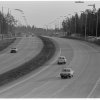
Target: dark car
point(14, 50)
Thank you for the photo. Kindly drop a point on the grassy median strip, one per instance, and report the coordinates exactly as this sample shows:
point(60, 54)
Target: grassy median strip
point(5, 43)
point(46, 53)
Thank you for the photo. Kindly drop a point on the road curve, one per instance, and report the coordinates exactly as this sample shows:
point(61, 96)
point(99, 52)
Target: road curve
point(27, 49)
point(46, 83)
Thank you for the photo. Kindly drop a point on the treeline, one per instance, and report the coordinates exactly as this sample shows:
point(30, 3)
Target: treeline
point(7, 23)
point(87, 22)
point(9, 26)
point(33, 30)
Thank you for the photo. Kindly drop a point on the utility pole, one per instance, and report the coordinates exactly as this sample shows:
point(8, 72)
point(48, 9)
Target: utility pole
point(94, 10)
point(8, 23)
point(93, 5)
point(85, 25)
point(2, 23)
point(2, 9)
point(81, 20)
point(97, 26)
point(75, 21)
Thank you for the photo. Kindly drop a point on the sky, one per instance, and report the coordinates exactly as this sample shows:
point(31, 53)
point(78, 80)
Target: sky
point(45, 13)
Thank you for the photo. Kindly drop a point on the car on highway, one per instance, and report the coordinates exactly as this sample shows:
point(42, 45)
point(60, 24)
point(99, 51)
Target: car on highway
point(66, 73)
point(61, 60)
point(27, 35)
point(13, 50)
point(32, 35)
point(91, 38)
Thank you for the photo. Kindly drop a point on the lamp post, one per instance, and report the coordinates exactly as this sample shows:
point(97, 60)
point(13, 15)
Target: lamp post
point(93, 5)
point(97, 26)
point(94, 10)
point(25, 20)
point(70, 24)
point(79, 1)
point(75, 21)
point(86, 25)
point(2, 23)
point(22, 12)
point(81, 20)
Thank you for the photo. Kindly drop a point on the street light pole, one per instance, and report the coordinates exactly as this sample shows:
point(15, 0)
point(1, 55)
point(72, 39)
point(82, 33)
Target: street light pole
point(97, 26)
point(93, 5)
point(22, 12)
point(81, 20)
point(2, 23)
point(70, 22)
point(85, 25)
point(75, 22)
point(94, 10)
point(25, 20)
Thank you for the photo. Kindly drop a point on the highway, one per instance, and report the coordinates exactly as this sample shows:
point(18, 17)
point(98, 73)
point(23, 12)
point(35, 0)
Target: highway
point(82, 57)
point(27, 49)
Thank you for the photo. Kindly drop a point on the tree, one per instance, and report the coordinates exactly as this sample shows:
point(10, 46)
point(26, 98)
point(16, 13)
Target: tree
point(77, 24)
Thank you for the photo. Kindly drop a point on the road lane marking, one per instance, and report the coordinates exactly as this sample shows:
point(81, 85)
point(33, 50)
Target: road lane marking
point(35, 89)
point(46, 84)
point(32, 75)
point(69, 83)
point(97, 82)
point(43, 70)
point(55, 92)
point(4, 64)
point(64, 86)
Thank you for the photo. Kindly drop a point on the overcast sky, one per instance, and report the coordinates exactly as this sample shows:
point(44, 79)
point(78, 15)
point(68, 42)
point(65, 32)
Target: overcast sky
point(41, 13)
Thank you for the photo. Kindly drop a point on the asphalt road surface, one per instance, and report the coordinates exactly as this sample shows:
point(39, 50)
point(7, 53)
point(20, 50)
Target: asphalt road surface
point(83, 58)
point(27, 49)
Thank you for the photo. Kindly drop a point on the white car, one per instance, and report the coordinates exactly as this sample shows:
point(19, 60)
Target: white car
point(62, 60)
point(14, 50)
point(66, 73)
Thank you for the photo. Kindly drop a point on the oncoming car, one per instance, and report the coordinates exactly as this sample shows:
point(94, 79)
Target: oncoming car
point(62, 60)
point(66, 73)
point(14, 50)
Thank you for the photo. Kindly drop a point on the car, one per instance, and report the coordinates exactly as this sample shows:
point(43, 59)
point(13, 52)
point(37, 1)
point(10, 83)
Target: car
point(62, 60)
point(14, 50)
point(66, 73)
point(32, 35)
point(27, 35)
point(91, 38)
point(98, 38)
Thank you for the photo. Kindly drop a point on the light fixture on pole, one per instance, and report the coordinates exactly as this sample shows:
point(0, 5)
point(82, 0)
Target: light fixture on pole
point(25, 20)
point(93, 5)
point(19, 10)
point(97, 25)
point(75, 21)
point(86, 25)
point(79, 1)
point(94, 10)
point(81, 20)
point(70, 23)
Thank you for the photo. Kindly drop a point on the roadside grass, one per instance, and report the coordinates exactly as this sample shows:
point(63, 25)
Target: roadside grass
point(5, 43)
point(45, 54)
point(96, 42)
